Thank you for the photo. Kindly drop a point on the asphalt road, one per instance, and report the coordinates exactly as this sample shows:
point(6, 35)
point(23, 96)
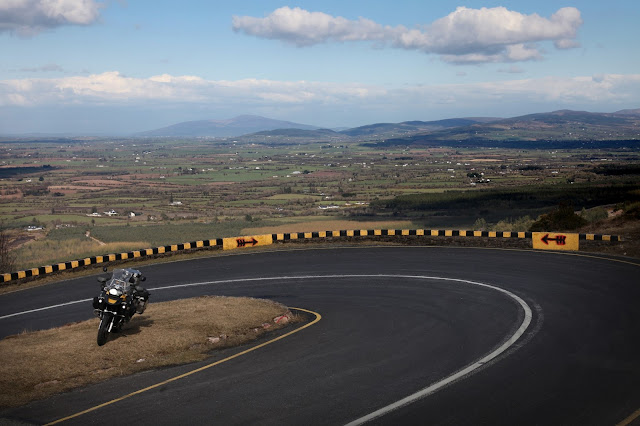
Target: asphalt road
point(501, 336)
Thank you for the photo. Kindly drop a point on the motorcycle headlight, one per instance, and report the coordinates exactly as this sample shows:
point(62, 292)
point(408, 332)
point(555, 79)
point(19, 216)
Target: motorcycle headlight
point(114, 292)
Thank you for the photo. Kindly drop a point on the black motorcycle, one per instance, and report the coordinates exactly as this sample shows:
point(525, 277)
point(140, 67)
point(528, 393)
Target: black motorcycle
point(120, 298)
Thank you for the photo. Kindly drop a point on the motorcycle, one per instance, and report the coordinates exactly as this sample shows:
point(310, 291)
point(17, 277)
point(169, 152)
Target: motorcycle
point(120, 298)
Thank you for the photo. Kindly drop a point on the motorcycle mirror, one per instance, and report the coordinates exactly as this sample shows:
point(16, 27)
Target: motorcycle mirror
point(143, 278)
point(104, 268)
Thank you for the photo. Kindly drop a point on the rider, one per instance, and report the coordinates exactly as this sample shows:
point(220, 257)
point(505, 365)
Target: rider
point(130, 279)
point(138, 292)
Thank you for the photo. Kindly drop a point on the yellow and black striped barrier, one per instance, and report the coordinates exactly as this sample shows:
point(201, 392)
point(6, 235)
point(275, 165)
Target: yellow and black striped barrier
point(398, 232)
point(541, 240)
point(94, 260)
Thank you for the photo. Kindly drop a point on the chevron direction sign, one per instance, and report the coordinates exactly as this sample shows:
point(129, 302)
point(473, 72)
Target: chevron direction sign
point(245, 242)
point(555, 241)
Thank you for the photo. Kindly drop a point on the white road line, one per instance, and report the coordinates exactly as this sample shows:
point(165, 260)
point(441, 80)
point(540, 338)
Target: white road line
point(154, 289)
point(461, 373)
point(44, 309)
point(404, 401)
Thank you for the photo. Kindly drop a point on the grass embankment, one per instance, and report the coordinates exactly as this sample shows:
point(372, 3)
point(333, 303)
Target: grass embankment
point(70, 244)
point(167, 233)
point(38, 364)
point(48, 252)
point(62, 245)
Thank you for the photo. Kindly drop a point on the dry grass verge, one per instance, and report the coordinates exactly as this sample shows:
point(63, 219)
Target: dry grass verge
point(629, 229)
point(39, 364)
point(43, 252)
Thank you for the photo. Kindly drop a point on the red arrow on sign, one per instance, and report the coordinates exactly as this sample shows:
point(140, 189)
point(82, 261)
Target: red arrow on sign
point(242, 242)
point(559, 239)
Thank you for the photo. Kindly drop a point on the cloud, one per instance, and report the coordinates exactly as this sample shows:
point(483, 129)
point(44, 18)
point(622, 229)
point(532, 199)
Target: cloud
point(513, 69)
point(513, 53)
point(566, 44)
point(44, 68)
point(112, 100)
point(29, 17)
point(116, 89)
point(464, 36)
point(302, 28)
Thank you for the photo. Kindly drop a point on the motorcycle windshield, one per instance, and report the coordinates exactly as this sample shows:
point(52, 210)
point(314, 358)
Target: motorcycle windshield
point(120, 279)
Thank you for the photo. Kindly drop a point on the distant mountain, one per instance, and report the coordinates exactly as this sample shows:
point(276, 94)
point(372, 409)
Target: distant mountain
point(237, 126)
point(628, 112)
point(410, 127)
point(558, 126)
point(251, 126)
point(564, 117)
point(563, 125)
point(378, 130)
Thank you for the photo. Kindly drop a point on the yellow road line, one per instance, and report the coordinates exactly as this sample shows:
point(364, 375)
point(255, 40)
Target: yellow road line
point(630, 419)
point(591, 256)
point(197, 370)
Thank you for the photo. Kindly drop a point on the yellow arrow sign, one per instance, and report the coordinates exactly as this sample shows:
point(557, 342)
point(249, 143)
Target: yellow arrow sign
point(243, 242)
point(555, 241)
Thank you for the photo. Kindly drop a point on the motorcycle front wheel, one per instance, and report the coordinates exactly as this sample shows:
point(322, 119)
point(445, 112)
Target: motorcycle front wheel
point(103, 329)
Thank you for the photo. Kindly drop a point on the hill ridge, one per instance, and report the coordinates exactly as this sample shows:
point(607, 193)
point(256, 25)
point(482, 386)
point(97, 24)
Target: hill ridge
point(561, 124)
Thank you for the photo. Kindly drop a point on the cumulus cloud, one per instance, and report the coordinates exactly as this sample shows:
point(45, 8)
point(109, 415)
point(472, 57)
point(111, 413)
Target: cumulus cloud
point(464, 36)
point(29, 17)
point(303, 28)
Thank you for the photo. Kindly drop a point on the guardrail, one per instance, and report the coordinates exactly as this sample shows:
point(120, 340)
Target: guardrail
point(541, 240)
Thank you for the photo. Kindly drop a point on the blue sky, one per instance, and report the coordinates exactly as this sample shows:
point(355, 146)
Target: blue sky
point(114, 67)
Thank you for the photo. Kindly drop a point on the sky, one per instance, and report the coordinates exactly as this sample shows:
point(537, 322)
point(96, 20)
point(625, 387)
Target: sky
point(122, 66)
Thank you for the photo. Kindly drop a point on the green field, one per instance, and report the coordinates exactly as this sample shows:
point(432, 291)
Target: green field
point(185, 190)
